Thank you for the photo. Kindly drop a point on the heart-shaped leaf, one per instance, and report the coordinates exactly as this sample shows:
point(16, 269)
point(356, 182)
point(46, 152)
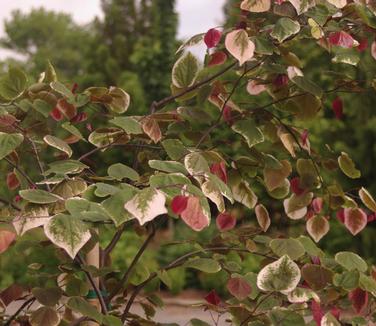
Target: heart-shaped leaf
point(239, 287)
point(239, 45)
point(355, 220)
point(317, 227)
point(262, 216)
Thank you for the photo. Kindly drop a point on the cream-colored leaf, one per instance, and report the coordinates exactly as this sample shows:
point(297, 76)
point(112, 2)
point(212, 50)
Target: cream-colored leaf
point(239, 45)
point(317, 227)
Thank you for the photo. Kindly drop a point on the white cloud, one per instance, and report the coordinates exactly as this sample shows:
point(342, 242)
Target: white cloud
point(196, 16)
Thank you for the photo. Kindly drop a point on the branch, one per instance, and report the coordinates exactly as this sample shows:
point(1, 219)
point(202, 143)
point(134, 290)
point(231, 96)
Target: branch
point(160, 104)
point(135, 260)
point(39, 162)
point(6, 202)
point(112, 244)
point(95, 287)
point(11, 318)
point(31, 182)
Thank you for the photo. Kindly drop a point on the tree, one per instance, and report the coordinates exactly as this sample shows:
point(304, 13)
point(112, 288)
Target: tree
point(179, 168)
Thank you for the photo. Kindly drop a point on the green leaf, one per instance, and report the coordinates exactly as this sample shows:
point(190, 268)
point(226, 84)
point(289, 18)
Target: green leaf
point(76, 287)
point(309, 246)
point(291, 247)
point(329, 320)
point(73, 130)
point(307, 85)
point(283, 276)
point(47, 296)
point(168, 166)
point(348, 280)
point(8, 143)
point(165, 278)
point(185, 70)
point(284, 28)
point(285, 317)
point(347, 166)
point(147, 205)
point(198, 322)
point(105, 136)
point(307, 105)
point(120, 171)
point(249, 130)
point(129, 124)
point(316, 276)
point(66, 167)
point(110, 320)
point(44, 316)
point(206, 265)
point(242, 192)
point(368, 283)
point(83, 307)
point(59, 144)
point(351, 261)
point(174, 148)
point(168, 182)
point(67, 232)
point(42, 107)
point(39, 196)
point(120, 100)
point(62, 90)
point(196, 164)
point(367, 199)
point(13, 84)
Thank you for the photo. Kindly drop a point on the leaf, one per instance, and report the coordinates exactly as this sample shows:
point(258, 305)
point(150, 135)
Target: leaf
point(213, 298)
point(73, 130)
point(129, 124)
point(373, 49)
point(62, 89)
point(168, 166)
point(108, 136)
point(212, 192)
point(309, 246)
point(151, 128)
point(194, 215)
point(347, 166)
point(317, 227)
point(120, 171)
point(262, 216)
point(239, 288)
point(9, 142)
point(185, 70)
point(39, 196)
point(284, 28)
point(67, 232)
point(283, 276)
point(255, 5)
point(44, 316)
point(300, 295)
point(338, 3)
point(179, 204)
point(174, 148)
point(290, 247)
point(47, 296)
point(212, 38)
point(66, 167)
point(190, 42)
point(196, 164)
point(284, 317)
point(243, 193)
point(239, 45)
point(80, 305)
point(348, 280)
point(367, 199)
point(13, 84)
point(248, 129)
point(342, 39)
point(206, 265)
point(296, 206)
point(59, 144)
point(147, 205)
point(355, 220)
point(225, 222)
point(12, 181)
point(254, 88)
point(275, 177)
point(310, 87)
point(120, 100)
point(6, 239)
point(359, 299)
point(329, 320)
point(316, 276)
point(351, 261)
point(217, 58)
point(32, 217)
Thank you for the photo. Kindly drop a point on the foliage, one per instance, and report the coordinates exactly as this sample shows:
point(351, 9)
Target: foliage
point(181, 169)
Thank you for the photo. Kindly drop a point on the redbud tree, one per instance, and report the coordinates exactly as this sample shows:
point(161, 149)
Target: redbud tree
point(232, 135)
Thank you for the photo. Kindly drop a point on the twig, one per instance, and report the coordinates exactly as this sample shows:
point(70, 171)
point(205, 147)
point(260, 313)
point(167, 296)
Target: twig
point(22, 172)
point(11, 318)
point(39, 162)
point(95, 287)
point(112, 244)
point(136, 258)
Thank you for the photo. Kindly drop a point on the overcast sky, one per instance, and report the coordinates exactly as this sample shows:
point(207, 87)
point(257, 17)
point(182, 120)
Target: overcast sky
point(196, 16)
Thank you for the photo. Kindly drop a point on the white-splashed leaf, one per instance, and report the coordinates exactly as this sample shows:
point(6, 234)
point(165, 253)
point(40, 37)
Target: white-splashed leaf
point(211, 191)
point(243, 193)
point(39, 196)
point(329, 320)
point(120, 100)
point(317, 227)
point(147, 205)
point(255, 5)
point(239, 45)
point(59, 144)
point(284, 28)
point(196, 164)
point(296, 205)
point(249, 130)
point(8, 143)
point(67, 232)
point(184, 71)
point(282, 276)
point(150, 127)
point(367, 199)
point(262, 216)
point(300, 295)
point(30, 219)
point(338, 3)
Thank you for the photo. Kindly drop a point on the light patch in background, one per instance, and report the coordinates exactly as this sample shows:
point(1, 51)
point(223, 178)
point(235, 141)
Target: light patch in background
point(195, 16)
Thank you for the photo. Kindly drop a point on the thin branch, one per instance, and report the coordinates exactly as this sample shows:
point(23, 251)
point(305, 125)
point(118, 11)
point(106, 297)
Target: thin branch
point(41, 169)
point(112, 244)
point(6, 202)
point(246, 320)
point(19, 310)
point(95, 287)
point(135, 260)
point(29, 180)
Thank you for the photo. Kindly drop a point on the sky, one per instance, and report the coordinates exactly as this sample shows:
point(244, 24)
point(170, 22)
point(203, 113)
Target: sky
point(196, 16)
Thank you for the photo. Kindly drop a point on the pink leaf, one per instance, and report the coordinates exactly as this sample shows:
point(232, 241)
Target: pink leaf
point(12, 181)
point(213, 298)
point(317, 204)
point(227, 115)
point(317, 312)
point(225, 222)
point(355, 220)
point(74, 88)
point(239, 45)
point(56, 114)
point(219, 169)
point(335, 311)
point(67, 109)
point(239, 288)
point(363, 44)
point(194, 216)
point(217, 58)
point(281, 80)
point(371, 217)
point(359, 299)
point(295, 186)
point(341, 39)
point(341, 215)
point(373, 49)
point(7, 120)
point(254, 88)
point(6, 239)
point(80, 117)
point(262, 216)
point(179, 204)
point(304, 137)
point(212, 38)
point(337, 106)
point(317, 227)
